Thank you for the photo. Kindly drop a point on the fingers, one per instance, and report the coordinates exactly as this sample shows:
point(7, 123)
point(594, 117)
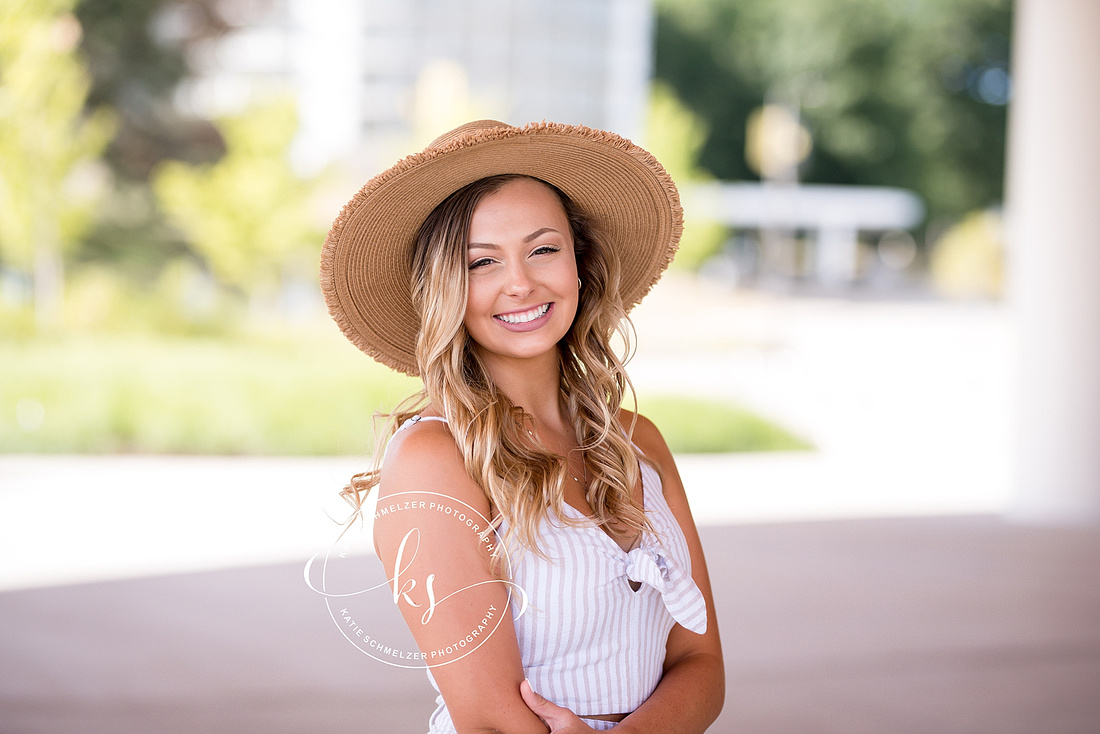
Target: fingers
point(557, 718)
point(534, 701)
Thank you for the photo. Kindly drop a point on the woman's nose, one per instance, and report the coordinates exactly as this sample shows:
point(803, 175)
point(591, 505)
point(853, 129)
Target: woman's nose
point(520, 282)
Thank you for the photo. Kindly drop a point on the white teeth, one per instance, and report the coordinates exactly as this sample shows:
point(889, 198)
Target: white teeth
point(525, 316)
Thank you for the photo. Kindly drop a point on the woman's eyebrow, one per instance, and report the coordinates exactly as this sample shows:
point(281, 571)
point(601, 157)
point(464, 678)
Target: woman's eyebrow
point(539, 232)
point(533, 236)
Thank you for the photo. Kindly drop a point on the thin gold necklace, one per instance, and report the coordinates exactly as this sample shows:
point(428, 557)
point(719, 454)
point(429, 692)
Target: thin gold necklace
point(584, 473)
point(584, 467)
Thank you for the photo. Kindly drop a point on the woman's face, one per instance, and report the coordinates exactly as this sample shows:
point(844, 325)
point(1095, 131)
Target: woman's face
point(523, 291)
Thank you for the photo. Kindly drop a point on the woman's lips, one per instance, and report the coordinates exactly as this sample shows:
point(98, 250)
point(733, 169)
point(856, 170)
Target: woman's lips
point(527, 320)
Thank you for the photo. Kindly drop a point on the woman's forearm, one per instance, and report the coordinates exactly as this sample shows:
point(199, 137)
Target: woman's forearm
point(686, 701)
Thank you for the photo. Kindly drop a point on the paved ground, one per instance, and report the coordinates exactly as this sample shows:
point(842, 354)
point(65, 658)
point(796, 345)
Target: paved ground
point(922, 625)
point(883, 583)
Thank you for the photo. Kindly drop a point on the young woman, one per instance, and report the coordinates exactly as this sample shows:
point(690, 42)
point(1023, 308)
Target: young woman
point(540, 546)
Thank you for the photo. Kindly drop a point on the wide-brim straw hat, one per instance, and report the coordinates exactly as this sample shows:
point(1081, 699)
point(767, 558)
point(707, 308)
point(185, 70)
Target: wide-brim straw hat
point(367, 257)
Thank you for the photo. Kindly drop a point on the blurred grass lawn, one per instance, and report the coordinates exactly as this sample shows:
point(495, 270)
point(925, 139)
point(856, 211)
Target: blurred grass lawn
point(294, 395)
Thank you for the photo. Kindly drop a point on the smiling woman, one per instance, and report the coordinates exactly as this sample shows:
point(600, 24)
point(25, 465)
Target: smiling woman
point(497, 265)
point(523, 274)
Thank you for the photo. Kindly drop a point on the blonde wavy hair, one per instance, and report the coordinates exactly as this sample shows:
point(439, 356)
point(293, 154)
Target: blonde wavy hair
point(521, 478)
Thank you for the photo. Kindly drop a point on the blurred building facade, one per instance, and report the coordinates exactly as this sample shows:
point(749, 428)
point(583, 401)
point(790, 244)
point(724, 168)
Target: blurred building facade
point(378, 79)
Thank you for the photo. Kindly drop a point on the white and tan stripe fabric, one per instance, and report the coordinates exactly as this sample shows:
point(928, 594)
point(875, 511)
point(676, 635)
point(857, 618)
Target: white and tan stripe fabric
point(588, 640)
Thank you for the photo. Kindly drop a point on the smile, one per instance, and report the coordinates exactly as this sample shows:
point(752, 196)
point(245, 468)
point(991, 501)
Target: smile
point(524, 317)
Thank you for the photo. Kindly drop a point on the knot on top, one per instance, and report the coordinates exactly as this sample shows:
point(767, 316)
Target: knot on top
point(648, 565)
point(652, 565)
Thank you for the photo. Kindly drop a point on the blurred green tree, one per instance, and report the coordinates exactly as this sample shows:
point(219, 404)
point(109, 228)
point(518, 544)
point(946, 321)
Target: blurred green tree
point(49, 147)
point(248, 215)
point(137, 56)
point(675, 135)
point(908, 94)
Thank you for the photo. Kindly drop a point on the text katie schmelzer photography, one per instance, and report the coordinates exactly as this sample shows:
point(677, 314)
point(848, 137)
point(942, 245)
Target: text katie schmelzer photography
point(359, 609)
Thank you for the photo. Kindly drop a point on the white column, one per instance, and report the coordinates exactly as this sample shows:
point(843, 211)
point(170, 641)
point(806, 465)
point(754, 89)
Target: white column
point(1053, 209)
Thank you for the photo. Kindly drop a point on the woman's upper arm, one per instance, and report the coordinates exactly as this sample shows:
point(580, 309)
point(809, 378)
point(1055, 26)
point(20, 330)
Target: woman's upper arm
point(681, 642)
point(429, 534)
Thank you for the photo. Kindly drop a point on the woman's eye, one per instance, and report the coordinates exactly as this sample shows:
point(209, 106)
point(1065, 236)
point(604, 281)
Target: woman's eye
point(545, 249)
point(481, 262)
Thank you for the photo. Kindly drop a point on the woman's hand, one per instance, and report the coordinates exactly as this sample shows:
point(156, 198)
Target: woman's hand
point(560, 720)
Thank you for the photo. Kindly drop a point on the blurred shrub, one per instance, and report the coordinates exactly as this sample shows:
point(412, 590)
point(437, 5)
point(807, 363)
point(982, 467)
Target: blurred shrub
point(145, 394)
point(696, 426)
point(16, 322)
point(249, 214)
point(298, 396)
point(131, 236)
point(968, 261)
point(183, 301)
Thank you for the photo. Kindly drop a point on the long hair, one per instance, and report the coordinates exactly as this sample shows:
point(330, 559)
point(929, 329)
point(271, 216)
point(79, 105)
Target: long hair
point(522, 478)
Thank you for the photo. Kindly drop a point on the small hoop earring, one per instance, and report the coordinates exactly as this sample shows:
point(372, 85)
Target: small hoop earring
point(579, 283)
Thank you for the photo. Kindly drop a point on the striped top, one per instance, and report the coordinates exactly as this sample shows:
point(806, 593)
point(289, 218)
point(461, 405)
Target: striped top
point(587, 640)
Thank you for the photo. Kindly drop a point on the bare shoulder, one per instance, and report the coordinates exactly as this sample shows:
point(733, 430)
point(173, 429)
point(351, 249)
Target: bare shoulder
point(648, 438)
point(421, 456)
point(423, 465)
point(420, 441)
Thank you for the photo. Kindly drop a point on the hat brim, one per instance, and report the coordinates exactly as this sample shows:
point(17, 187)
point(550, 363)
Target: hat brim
point(365, 263)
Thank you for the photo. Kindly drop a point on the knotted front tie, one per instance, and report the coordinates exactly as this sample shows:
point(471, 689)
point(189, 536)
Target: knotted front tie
point(652, 565)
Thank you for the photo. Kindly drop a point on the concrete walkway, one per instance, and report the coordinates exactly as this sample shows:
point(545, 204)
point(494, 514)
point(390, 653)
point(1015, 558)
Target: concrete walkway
point(915, 625)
